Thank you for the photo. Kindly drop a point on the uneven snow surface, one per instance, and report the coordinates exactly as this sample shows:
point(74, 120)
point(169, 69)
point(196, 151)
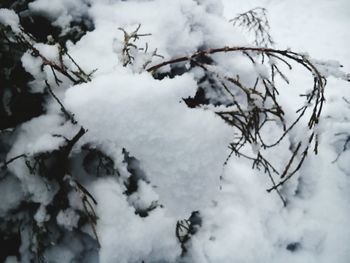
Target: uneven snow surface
point(179, 152)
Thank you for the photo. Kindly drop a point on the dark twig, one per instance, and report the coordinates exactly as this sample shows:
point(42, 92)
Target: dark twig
point(5, 164)
point(68, 115)
point(255, 21)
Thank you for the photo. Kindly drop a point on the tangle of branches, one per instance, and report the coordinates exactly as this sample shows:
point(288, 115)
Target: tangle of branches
point(26, 42)
point(55, 164)
point(262, 105)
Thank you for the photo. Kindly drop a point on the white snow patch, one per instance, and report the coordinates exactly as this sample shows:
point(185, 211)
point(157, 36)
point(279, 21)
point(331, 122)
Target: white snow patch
point(68, 218)
point(9, 18)
point(181, 150)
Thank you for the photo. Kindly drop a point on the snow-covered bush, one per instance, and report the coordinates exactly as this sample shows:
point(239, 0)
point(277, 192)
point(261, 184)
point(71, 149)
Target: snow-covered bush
point(119, 122)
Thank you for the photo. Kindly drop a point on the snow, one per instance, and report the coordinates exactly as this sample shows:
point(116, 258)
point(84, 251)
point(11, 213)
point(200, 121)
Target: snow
point(41, 215)
point(331, 68)
point(151, 237)
point(10, 199)
point(61, 12)
point(9, 18)
point(45, 143)
point(155, 135)
point(181, 151)
point(37, 135)
point(11, 259)
point(144, 198)
point(68, 218)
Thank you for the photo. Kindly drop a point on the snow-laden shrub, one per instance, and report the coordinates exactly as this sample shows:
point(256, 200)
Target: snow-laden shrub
point(121, 121)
